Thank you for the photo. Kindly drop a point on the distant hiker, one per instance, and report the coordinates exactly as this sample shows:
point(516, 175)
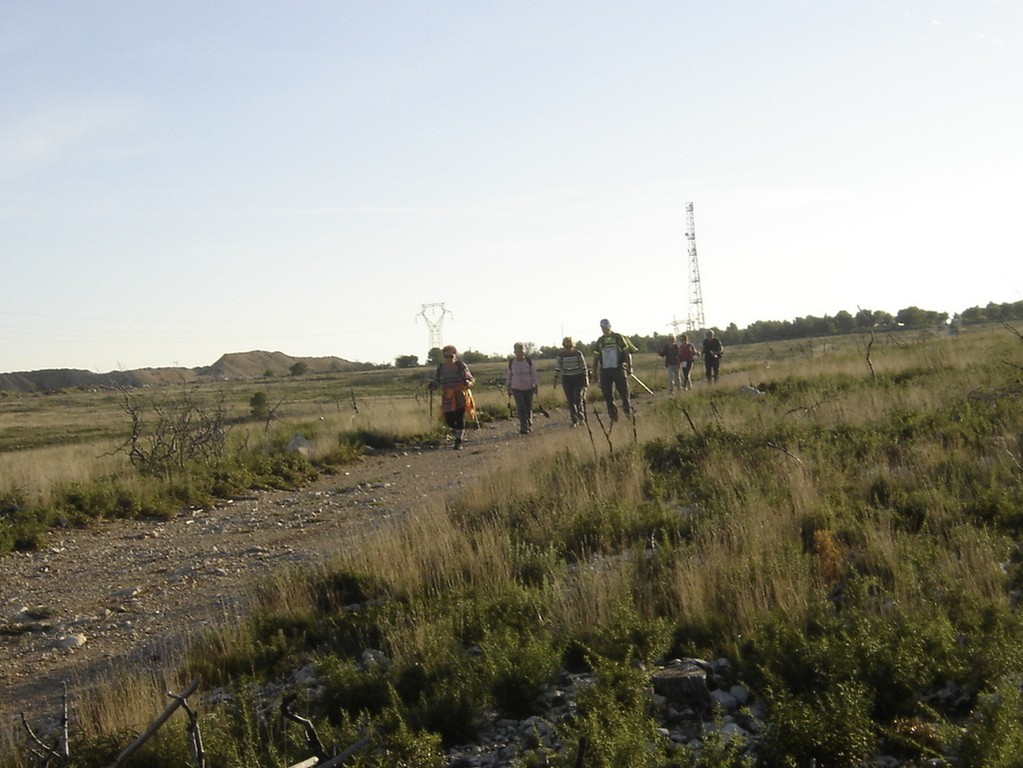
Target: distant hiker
point(686, 357)
point(612, 356)
point(570, 367)
point(671, 358)
point(454, 379)
point(712, 351)
point(522, 382)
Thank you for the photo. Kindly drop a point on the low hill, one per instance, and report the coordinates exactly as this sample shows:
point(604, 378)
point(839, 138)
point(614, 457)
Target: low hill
point(234, 365)
point(251, 365)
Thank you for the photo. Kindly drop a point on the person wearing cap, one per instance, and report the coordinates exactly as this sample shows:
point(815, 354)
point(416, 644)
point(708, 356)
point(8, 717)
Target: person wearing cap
point(612, 357)
point(454, 379)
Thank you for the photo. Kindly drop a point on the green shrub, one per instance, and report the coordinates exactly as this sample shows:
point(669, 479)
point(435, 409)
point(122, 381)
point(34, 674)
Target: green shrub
point(994, 738)
point(614, 727)
point(349, 691)
point(519, 666)
point(830, 728)
point(450, 700)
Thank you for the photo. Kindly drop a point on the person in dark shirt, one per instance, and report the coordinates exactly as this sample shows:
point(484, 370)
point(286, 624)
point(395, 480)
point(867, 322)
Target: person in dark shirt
point(712, 351)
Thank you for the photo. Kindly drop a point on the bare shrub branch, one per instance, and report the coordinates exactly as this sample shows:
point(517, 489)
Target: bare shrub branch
point(166, 437)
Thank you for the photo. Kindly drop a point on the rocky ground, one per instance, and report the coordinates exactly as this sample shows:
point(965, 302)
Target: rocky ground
point(93, 601)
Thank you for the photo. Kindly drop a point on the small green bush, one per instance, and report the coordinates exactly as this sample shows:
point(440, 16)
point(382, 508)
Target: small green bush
point(995, 736)
point(348, 691)
point(519, 666)
point(614, 727)
point(829, 729)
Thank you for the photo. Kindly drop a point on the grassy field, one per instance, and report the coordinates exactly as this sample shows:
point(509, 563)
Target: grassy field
point(849, 541)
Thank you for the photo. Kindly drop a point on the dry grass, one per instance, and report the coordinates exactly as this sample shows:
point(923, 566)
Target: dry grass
point(779, 543)
point(37, 472)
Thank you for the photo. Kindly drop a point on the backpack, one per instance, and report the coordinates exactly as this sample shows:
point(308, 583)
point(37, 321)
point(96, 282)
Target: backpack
point(462, 367)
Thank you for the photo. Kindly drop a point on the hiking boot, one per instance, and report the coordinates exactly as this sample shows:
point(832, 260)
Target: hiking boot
point(458, 443)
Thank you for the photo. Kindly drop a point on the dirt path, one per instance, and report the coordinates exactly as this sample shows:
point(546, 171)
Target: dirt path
point(93, 601)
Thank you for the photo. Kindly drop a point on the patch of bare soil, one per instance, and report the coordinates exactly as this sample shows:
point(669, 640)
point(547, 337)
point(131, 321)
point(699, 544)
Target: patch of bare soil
point(98, 602)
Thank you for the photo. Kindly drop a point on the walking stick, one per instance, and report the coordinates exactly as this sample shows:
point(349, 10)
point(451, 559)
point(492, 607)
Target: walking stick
point(640, 382)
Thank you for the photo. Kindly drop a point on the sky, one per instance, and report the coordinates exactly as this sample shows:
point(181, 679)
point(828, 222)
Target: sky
point(348, 177)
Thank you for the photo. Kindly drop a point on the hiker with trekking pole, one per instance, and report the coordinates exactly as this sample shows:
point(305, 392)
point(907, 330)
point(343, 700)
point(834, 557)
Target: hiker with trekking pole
point(454, 380)
point(570, 367)
point(612, 357)
point(522, 382)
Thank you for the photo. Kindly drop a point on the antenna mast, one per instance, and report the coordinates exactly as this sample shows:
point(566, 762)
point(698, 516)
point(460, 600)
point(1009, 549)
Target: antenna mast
point(695, 321)
point(434, 314)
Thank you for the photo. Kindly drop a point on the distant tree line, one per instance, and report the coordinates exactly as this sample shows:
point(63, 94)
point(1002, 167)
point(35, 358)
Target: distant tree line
point(843, 322)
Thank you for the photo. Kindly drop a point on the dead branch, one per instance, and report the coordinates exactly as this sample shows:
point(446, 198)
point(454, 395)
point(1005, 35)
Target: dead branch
point(605, 430)
point(589, 431)
point(177, 433)
point(870, 365)
point(813, 407)
point(155, 726)
point(65, 747)
point(271, 414)
point(691, 424)
point(320, 758)
point(714, 407)
point(311, 737)
point(342, 756)
point(194, 734)
point(1008, 327)
point(44, 752)
point(785, 451)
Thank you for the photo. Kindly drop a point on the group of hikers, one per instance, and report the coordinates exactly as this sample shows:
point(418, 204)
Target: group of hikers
point(612, 360)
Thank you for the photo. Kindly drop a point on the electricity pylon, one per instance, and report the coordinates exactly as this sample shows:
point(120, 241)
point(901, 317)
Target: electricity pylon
point(695, 321)
point(433, 315)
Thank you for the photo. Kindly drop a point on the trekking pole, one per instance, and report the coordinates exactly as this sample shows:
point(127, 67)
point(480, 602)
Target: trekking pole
point(640, 382)
point(475, 410)
point(540, 409)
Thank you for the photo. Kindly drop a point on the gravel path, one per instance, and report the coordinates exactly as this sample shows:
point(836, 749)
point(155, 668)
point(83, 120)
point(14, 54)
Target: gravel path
point(94, 601)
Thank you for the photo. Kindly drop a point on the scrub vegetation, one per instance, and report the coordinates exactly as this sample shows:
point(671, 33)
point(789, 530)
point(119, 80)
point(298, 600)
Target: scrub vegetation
point(850, 540)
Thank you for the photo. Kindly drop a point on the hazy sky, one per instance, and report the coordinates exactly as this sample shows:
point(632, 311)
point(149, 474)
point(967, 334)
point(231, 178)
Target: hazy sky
point(183, 179)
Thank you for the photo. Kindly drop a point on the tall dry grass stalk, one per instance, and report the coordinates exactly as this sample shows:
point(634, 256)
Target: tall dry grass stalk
point(428, 553)
point(126, 703)
point(587, 596)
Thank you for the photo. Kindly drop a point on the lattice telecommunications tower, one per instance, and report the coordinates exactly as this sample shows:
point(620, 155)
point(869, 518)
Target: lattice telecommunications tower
point(433, 314)
point(695, 321)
